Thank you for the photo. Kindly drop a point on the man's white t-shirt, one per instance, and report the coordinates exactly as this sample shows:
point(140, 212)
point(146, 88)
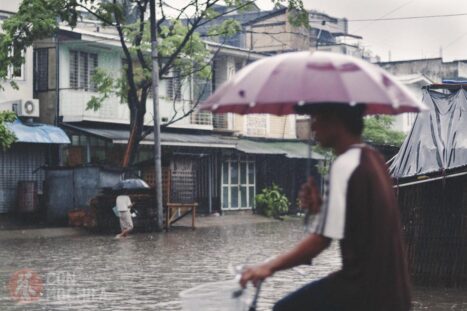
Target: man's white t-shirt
point(123, 203)
point(330, 222)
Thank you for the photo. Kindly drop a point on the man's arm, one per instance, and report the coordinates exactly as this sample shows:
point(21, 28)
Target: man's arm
point(302, 253)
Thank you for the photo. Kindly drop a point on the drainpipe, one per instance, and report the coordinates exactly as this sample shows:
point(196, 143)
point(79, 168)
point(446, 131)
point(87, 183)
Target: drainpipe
point(57, 80)
point(88, 150)
point(57, 91)
point(210, 183)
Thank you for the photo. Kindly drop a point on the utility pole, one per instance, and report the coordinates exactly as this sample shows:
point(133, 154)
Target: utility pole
point(157, 127)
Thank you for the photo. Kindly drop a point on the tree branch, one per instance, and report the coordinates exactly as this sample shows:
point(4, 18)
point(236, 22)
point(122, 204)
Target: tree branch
point(139, 37)
point(192, 108)
point(132, 94)
point(185, 40)
point(95, 14)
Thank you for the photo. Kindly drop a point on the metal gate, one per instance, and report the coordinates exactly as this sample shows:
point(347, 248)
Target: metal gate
point(20, 162)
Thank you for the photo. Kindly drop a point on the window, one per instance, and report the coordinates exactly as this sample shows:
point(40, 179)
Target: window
point(174, 86)
point(16, 71)
point(82, 67)
point(220, 121)
point(202, 88)
point(256, 125)
point(238, 183)
point(41, 70)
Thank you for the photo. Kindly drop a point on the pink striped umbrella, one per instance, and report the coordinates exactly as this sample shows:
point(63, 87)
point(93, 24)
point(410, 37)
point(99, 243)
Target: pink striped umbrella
point(277, 84)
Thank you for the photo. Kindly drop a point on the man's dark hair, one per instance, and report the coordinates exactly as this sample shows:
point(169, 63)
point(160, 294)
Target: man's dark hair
point(351, 116)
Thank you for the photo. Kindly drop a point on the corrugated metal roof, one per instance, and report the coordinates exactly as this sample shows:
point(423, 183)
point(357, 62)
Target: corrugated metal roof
point(37, 133)
point(288, 148)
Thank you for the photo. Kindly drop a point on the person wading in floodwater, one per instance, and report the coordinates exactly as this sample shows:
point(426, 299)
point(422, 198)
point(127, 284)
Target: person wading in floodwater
point(360, 211)
point(124, 204)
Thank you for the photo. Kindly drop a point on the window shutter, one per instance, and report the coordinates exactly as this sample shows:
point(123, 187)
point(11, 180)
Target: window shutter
point(73, 69)
point(41, 70)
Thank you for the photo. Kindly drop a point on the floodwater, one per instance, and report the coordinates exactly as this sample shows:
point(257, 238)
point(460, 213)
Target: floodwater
point(147, 271)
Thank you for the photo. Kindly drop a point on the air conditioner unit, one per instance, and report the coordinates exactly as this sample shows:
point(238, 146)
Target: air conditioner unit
point(22, 107)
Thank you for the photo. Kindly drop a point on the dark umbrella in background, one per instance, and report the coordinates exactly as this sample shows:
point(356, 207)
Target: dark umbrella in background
point(131, 184)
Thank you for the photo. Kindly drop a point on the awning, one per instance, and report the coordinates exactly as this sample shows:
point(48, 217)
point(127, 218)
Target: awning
point(120, 136)
point(289, 148)
point(37, 133)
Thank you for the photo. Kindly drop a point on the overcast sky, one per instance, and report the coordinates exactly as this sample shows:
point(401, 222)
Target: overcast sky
point(404, 39)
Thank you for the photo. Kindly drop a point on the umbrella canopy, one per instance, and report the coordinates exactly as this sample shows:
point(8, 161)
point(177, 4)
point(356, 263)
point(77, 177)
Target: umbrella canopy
point(129, 184)
point(278, 84)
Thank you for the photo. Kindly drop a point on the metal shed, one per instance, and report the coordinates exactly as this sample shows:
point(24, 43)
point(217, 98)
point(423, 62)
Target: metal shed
point(22, 162)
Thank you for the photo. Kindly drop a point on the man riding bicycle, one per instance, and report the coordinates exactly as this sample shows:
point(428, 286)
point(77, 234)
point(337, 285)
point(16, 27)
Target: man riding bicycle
point(360, 211)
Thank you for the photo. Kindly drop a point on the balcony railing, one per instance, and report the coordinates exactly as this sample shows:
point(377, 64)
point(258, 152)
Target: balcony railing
point(201, 118)
point(220, 121)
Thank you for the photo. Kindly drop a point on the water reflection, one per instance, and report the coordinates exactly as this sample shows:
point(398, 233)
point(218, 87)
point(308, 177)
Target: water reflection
point(147, 271)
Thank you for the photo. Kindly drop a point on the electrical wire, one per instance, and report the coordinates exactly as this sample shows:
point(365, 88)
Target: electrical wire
point(406, 18)
point(384, 15)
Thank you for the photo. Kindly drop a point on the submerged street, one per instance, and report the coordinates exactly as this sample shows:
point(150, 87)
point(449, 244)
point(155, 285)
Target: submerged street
point(147, 271)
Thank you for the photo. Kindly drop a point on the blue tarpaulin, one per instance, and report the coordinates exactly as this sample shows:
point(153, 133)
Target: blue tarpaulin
point(37, 133)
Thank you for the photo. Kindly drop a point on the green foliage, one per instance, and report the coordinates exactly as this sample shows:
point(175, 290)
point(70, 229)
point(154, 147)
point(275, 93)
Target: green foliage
point(105, 86)
point(298, 16)
point(180, 47)
point(228, 28)
point(6, 136)
point(272, 202)
point(378, 130)
point(323, 166)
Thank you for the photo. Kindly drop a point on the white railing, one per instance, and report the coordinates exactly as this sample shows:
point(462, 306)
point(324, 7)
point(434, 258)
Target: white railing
point(73, 105)
point(201, 118)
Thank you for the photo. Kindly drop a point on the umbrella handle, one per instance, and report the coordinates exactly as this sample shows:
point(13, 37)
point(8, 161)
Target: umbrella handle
point(255, 298)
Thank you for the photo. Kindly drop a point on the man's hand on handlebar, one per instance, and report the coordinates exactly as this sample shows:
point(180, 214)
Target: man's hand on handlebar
point(255, 274)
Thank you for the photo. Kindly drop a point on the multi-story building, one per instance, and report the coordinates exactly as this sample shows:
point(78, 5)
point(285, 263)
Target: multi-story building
point(35, 143)
point(216, 146)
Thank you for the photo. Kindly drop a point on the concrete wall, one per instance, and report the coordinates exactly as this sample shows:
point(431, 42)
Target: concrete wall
point(67, 189)
point(10, 5)
point(434, 68)
point(275, 35)
point(24, 83)
point(332, 24)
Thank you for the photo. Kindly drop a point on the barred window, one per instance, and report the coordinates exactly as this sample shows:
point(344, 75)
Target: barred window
point(202, 88)
point(16, 70)
point(82, 67)
point(41, 70)
point(174, 86)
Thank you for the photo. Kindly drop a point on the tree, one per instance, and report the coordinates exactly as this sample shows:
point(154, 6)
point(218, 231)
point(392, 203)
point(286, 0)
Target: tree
point(180, 46)
point(6, 136)
point(378, 130)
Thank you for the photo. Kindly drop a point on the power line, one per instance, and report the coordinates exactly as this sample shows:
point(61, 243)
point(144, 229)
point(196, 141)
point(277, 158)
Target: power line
point(405, 18)
point(384, 15)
